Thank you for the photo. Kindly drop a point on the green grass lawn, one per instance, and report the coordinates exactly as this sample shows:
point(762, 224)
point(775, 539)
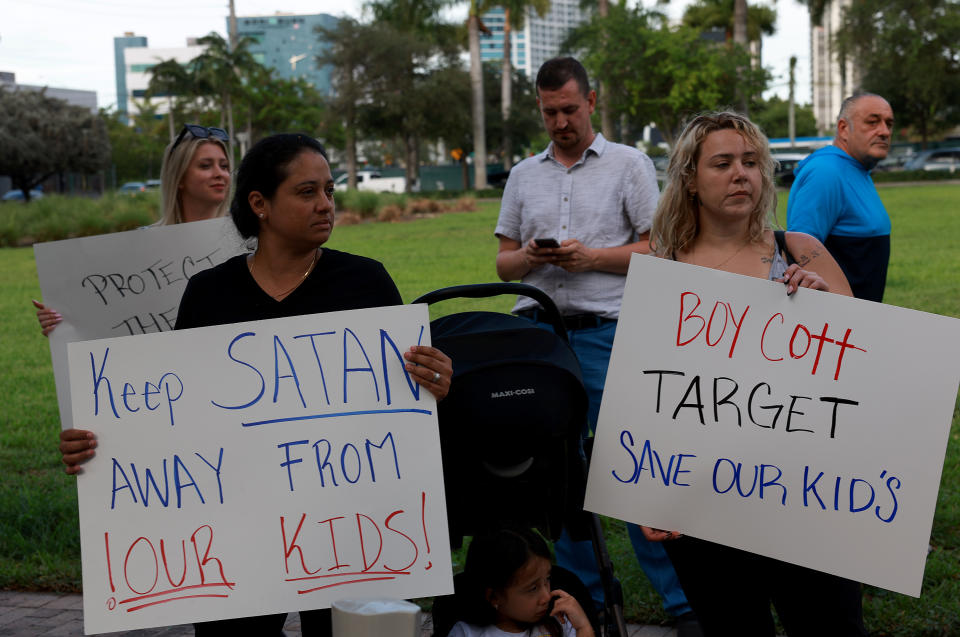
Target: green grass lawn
point(39, 539)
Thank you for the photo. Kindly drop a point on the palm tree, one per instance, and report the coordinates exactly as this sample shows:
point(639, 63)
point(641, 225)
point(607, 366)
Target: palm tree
point(722, 14)
point(222, 72)
point(169, 79)
point(514, 16)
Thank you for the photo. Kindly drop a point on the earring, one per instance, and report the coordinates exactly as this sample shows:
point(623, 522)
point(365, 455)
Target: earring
point(260, 215)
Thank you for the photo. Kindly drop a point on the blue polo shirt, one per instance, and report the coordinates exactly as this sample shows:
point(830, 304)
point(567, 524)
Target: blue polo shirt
point(834, 199)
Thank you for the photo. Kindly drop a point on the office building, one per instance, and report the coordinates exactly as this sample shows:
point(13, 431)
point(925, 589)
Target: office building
point(830, 81)
point(120, 45)
point(74, 97)
point(288, 44)
point(138, 61)
point(538, 40)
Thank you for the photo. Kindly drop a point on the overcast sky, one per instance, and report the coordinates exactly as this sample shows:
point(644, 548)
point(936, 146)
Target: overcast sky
point(69, 43)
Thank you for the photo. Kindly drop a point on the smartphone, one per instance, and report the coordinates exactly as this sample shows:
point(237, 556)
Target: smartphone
point(546, 243)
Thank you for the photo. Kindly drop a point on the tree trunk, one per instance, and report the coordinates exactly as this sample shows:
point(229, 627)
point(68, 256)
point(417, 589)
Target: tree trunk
point(173, 131)
point(476, 104)
point(740, 38)
point(506, 92)
point(411, 160)
point(606, 119)
point(350, 139)
point(228, 105)
point(791, 114)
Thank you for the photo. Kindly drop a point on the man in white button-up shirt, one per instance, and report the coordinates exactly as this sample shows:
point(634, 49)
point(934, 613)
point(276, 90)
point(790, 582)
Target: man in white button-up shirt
point(595, 199)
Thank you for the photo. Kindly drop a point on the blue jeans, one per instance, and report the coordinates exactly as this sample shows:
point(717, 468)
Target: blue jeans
point(592, 347)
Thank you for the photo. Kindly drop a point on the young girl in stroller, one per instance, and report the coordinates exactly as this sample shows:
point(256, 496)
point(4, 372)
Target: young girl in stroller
point(508, 590)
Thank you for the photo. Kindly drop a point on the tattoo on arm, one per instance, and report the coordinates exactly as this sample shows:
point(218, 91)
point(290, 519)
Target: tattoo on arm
point(804, 259)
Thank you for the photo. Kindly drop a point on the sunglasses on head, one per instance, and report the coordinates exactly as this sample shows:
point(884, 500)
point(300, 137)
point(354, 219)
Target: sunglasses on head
point(201, 132)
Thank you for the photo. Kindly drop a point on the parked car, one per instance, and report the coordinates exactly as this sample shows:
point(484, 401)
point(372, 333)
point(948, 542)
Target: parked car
point(892, 162)
point(935, 159)
point(132, 188)
point(783, 176)
point(17, 195)
point(373, 180)
point(152, 184)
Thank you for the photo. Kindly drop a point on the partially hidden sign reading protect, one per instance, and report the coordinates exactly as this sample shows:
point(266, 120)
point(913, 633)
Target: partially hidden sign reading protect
point(258, 468)
point(124, 283)
point(809, 428)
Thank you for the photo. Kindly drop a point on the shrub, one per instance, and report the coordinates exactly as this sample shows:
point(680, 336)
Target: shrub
point(348, 219)
point(391, 213)
point(465, 204)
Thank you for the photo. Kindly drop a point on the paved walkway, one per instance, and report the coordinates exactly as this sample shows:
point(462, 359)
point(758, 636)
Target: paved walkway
point(55, 615)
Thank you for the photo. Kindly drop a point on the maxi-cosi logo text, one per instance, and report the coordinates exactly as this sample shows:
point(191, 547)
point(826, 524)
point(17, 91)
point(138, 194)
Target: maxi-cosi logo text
point(512, 392)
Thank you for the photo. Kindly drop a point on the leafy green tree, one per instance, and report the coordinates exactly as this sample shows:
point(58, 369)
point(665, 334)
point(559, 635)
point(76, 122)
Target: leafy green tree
point(909, 53)
point(280, 105)
point(454, 125)
point(682, 73)
point(412, 42)
point(741, 23)
point(136, 149)
point(772, 116)
point(41, 136)
point(347, 55)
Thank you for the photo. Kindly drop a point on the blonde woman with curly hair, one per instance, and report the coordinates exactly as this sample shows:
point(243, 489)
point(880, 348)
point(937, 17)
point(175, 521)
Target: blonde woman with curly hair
point(194, 186)
point(717, 207)
point(716, 212)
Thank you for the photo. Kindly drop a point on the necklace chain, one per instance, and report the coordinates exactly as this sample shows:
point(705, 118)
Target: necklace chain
point(279, 295)
point(738, 251)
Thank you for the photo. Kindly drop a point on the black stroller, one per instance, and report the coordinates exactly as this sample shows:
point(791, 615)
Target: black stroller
point(510, 435)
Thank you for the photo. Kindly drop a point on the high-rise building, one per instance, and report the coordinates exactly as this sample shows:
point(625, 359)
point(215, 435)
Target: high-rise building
point(538, 40)
point(830, 80)
point(289, 45)
point(120, 45)
point(137, 65)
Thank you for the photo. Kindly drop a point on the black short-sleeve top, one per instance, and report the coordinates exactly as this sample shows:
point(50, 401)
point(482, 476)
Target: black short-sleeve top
point(228, 293)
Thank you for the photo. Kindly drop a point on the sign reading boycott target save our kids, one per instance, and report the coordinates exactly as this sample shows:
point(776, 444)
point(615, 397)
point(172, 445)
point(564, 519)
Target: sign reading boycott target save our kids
point(257, 468)
point(809, 428)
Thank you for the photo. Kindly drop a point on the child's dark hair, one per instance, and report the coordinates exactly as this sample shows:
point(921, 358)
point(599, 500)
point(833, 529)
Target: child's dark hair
point(493, 560)
point(263, 169)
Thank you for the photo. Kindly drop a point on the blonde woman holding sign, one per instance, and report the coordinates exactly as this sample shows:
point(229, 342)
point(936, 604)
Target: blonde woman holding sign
point(715, 212)
point(194, 185)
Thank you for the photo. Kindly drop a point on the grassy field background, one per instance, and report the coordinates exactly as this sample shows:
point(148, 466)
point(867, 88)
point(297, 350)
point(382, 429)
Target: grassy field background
point(39, 539)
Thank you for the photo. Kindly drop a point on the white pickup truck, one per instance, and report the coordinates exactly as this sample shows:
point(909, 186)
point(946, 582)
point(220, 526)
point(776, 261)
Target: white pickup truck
point(372, 180)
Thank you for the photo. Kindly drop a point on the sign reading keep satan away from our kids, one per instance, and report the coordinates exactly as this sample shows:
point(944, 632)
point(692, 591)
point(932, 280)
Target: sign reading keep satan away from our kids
point(258, 468)
point(124, 283)
point(809, 428)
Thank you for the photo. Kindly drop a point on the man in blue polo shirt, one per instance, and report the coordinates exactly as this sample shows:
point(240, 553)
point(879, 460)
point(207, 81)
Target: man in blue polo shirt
point(833, 197)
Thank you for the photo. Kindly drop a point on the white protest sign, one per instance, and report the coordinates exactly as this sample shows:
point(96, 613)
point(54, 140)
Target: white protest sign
point(258, 468)
point(809, 428)
point(124, 283)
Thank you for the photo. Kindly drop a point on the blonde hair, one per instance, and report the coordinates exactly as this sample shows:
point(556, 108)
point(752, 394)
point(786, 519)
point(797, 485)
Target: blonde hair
point(676, 223)
point(176, 160)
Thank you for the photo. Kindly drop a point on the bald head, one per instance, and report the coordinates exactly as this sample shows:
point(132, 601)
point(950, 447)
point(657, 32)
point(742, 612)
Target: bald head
point(864, 127)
